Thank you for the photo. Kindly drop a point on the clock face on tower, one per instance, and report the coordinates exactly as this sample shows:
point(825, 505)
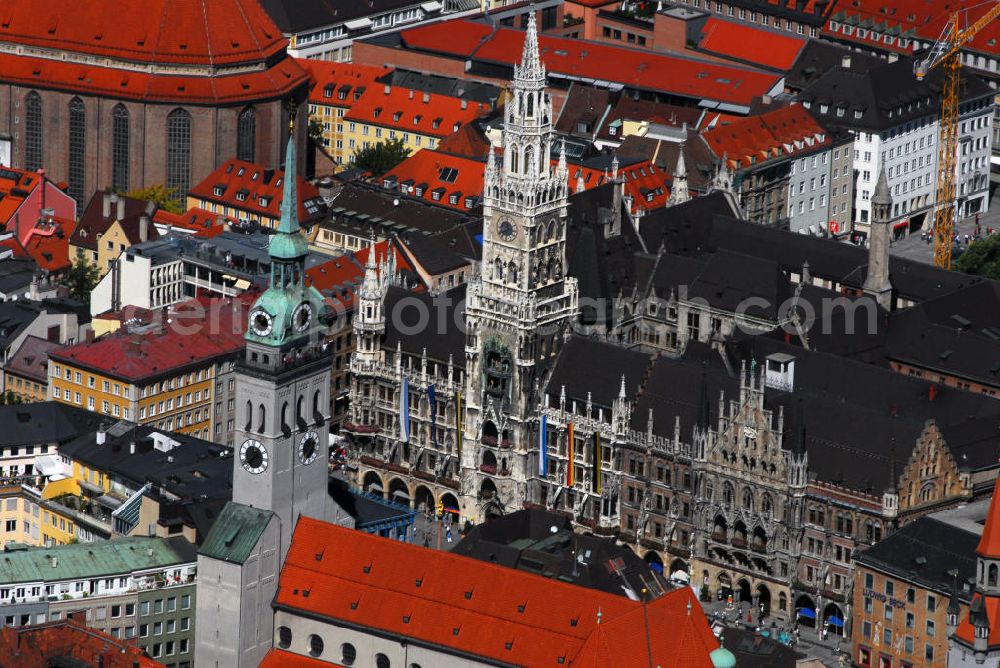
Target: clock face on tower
point(253, 456)
point(506, 230)
point(261, 322)
point(302, 317)
point(308, 447)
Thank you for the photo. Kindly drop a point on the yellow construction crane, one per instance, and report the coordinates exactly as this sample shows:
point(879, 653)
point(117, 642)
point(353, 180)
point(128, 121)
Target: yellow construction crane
point(946, 53)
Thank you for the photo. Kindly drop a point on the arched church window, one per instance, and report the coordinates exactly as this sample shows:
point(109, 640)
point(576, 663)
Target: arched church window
point(120, 139)
point(284, 416)
point(550, 233)
point(300, 409)
point(263, 419)
point(991, 579)
point(77, 149)
point(512, 272)
point(766, 505)
point(531, 105)
point(249, 416)
point(747, 498)
point(33, 132)
point(179, 152)
point(316, 410)
point(498, 270)
point(246, 135)
point(727, 494)
point(529, 161)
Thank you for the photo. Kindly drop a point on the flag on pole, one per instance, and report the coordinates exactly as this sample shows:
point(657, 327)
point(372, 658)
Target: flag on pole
point(569, 465)
point(432, 400)
point(597, 462)
point(404, 411)
point(542, 445)
point(458, 424)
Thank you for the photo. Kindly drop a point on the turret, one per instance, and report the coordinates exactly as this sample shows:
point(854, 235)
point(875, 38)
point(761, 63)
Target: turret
point(877, 284)
point(679, 189)
point(621, 413)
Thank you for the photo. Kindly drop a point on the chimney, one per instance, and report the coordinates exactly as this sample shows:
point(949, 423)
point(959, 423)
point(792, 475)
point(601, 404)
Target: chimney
point(121, 209)
point(106, 207)
point(845, 61)
point(427, 98)
point(464, 104)
point(41, 178)
point(131, 448)
point(55, 561)
point(411, 93)
point(143, 227)
point(932, 392)
point(102, 436)
point(388, 89)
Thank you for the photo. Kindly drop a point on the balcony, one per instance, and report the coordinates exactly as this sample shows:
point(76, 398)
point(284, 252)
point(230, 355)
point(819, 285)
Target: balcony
point(361, 428)
point(740, 543)
point(489, 440)
point(368, 460)
point(505, 444)
point(719, 537)
point(396, 468)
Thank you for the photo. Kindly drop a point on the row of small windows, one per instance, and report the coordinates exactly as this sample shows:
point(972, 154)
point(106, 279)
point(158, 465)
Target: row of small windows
point(348, 653)
point(178, 144)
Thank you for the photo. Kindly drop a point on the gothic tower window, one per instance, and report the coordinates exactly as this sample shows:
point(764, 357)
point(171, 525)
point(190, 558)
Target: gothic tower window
point(77, 148)
point(728, 494)
point(119, 148)
point(32, 132)
point(246, 135)
point(512, 272)
point(747, 499)
point(263, 419)
point(179, 152)
point(498, 270)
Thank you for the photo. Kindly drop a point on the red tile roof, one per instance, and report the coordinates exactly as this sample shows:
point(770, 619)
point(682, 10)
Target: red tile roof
point(926, 20)
point(967, 632)
point(436, 177)
point(47, 243)
point(279, 658)
point(336, 278)
point(645, 183)
point(408, 110)
point(747, 141)
point(278, 80)
point(580, 59)
point(68, 642)
point(750, 44)
point(200, 222)
point(93, 222)
point(469, 142)
point(261, 189)
point(989, 543)
point(214, 33)
point(15, 186)
point(474, 607)
point(200, 330)
point(329, 79)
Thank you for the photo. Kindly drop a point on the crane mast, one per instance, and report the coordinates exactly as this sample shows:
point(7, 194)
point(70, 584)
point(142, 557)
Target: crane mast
point(946, 54)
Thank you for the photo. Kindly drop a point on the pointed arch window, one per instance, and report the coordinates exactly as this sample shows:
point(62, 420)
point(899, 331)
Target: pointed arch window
point(120, 139)
point(263, 419)
point(498, 270)
point(246, 135)
point(77, 149)
point(179, 152)
point(33, 132)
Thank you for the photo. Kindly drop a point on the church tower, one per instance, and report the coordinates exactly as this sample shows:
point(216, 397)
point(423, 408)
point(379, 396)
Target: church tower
point(519, 307)
point(280, 461)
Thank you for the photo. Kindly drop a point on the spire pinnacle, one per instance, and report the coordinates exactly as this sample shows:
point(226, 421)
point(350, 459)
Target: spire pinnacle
point(882, 194)
point(562, 157)
point(531, 67)
point(621, 392)
point(289, 195)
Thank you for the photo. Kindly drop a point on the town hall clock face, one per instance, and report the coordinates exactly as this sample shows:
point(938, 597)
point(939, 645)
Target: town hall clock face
point(308, 447)
point(253, 456)
point(302, 317)
point(261, 322)
point(506, 230)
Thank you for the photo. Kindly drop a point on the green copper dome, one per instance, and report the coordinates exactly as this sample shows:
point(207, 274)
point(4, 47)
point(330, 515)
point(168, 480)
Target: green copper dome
point(722, 658)
point(287, 246)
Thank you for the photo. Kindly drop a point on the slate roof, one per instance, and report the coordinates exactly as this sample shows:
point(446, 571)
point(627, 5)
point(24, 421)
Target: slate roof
point(928, 552)
point(435, 257)
point(685, 234)
point(753, 650)
point(589, 365)
point(469, 607)
point(92, 560)
point(45, 422)
point(193, 469)
point(16, 274)
point(93, 222)
point(544, 543)
point(878, 91)
point(15, 317)
point(442, 337)
point(294, 16)
point(235, 533)
point(31, 359)
point(820, 56)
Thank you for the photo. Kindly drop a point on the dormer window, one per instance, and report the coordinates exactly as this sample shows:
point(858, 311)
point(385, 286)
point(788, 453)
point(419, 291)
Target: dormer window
point(436, 123)
point(277, 184)
point(242, 195)
point(456, 127)
point(396, 116)
point(416, 119)
point(453, 198)
point(241, 171)
point(218, 190)
point(264, 201)
point(255, 175)
point(328, 91)
point(857, 113)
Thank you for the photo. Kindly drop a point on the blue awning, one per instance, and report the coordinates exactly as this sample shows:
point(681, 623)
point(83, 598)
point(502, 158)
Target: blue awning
point(655, 567)
point(808, 613)
point(836, 621)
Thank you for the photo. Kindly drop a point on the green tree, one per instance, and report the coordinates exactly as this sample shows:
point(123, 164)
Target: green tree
point(381, 157)
point(316, 131)
point(982, 258)
point(8, 398)
point(80, 279)
point(166, 198)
